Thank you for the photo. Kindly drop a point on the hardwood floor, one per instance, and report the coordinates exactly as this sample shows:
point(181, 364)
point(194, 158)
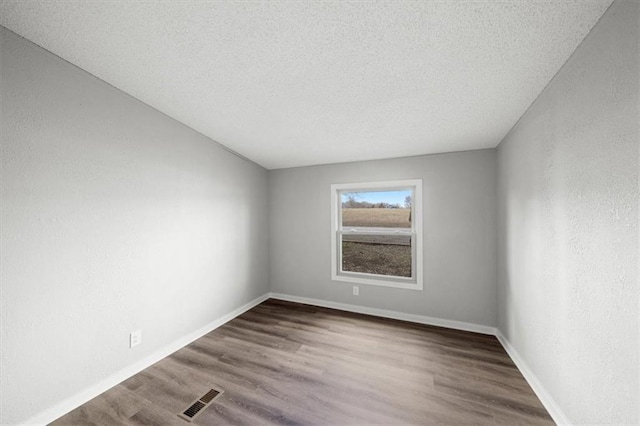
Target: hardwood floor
point(288, 363)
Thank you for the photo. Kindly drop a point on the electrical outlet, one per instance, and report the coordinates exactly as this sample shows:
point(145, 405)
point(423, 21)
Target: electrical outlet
point(356, 290)
point(135, 338)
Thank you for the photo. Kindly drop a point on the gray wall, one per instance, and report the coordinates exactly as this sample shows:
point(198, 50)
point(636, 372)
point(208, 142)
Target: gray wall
point(568, 228)
point(114, 218)
point(459, 235)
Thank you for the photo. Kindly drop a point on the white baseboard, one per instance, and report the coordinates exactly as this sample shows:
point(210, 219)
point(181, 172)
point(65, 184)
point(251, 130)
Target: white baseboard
point(554, 410)
point(421, 319)
point(91, 392)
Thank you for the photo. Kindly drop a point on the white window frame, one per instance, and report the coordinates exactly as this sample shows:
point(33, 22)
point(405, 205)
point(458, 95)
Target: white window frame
point(337, 274)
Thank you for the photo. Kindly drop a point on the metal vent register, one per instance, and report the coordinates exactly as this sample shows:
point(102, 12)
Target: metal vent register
point(199, 405)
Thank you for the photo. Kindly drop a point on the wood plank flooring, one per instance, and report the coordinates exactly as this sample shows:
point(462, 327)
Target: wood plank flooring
point(294, 364)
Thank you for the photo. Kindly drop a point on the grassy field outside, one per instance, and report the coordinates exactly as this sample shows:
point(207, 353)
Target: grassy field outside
point(377, 254)
point(382, 259)
point(376, 218)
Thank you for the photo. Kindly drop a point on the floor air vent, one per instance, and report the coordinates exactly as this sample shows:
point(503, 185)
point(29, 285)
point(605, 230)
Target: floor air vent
point(209, 396)
point(199, 405)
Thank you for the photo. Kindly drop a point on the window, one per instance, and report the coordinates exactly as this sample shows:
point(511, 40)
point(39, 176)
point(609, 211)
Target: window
point(377, 233)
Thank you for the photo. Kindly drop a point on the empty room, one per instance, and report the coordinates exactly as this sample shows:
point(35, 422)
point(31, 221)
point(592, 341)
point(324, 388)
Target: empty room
point(319, 212)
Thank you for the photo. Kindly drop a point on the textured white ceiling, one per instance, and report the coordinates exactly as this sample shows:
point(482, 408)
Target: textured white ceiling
point(300, 83)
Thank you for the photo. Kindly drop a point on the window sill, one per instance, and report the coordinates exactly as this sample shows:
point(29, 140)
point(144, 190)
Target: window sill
point(357, 279)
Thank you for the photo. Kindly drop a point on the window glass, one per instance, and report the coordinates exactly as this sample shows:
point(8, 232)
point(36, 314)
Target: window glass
point(377, 254)
point(378, 209)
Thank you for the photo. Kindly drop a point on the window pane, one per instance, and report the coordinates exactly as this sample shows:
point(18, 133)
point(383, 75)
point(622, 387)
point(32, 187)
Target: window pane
point(377, 254)
point(377, 209)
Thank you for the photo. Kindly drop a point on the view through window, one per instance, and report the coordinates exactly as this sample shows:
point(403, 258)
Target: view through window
point(376, 237)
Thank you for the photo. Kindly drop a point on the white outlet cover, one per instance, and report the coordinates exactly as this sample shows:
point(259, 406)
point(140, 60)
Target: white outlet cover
point(356, 290)
point(135, 338)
